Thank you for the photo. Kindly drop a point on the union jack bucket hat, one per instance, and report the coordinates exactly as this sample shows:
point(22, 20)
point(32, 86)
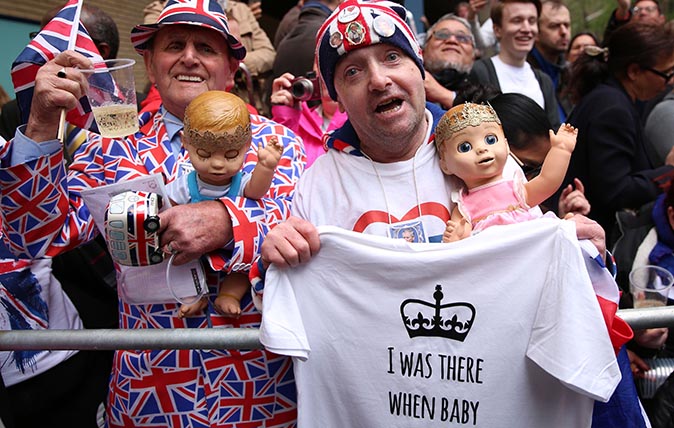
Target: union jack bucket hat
point(201, 13)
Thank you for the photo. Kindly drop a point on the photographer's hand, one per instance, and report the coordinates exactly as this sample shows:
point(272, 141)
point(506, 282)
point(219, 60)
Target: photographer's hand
point(280, 91)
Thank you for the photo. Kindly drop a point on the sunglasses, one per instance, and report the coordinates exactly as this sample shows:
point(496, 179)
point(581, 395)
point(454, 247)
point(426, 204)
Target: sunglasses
point(530, 171)
point(666, 76)
point(464, 39)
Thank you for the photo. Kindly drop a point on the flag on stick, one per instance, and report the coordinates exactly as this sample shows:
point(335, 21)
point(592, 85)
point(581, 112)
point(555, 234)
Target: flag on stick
point(64, 31)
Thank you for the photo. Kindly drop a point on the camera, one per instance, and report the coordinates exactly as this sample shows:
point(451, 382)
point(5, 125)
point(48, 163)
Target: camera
point(306, 88)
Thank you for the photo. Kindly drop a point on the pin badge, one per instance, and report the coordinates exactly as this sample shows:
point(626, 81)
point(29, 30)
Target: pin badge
point(384, 26)
point(336, 39)
point(348, 14)
point(355, 33)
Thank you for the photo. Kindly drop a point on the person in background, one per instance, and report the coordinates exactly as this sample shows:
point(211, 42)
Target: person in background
point(449, 54)
point(309, 123)
point(644, 11)
point(294, 53)
point(578, 43)
point(659, 128)
point(516, 28)
point(554, 30)
point(185, 54)
point(288, 21)
point(611, 157)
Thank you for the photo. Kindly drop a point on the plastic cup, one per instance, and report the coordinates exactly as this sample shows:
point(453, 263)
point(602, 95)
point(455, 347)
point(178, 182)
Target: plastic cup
point(650, 286)
point(112, 95)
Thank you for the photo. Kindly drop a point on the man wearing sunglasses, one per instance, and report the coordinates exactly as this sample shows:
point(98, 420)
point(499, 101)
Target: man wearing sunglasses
point(449, 54)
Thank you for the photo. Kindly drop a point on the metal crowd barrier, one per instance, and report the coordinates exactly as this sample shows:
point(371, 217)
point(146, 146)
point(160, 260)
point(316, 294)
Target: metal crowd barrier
point(216, 338)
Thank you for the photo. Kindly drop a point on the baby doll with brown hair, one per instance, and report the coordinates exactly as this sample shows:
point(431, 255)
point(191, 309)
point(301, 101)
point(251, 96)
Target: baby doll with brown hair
point(217, 136)
point(472, 146)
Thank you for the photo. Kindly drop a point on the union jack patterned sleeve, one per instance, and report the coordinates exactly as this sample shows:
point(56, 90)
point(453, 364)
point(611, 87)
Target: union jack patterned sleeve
point(44, 213)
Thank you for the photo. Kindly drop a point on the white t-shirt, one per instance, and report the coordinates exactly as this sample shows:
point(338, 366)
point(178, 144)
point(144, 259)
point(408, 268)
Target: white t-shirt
point(395, 194)
point(533, 351)
point(521, 80)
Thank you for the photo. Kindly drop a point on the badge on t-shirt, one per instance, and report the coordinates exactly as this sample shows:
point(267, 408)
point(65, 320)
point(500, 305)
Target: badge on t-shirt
point(185, 168)
point(410, 231)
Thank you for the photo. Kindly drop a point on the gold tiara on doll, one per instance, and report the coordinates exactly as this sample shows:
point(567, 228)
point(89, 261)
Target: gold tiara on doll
point(210, 141)
point(463, 116)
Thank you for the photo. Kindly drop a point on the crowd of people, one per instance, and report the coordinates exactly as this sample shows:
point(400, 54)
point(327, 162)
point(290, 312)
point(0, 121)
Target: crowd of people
point(341, 125)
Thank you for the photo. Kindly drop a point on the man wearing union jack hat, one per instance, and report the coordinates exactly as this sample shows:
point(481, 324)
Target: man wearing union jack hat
point(187, 52)
point(382, 160)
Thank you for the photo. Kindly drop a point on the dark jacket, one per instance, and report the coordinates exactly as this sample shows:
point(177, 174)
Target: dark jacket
point(483, 72)
point(295, 53)
point(558, 73)
point(610, 156)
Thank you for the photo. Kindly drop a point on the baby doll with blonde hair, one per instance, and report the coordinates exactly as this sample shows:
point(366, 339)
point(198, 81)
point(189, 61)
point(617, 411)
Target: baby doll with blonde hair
point(472, 147)
point(217, 136)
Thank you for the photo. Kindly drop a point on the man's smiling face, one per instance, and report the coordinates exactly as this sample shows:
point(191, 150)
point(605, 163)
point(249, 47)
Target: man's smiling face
point(185, 61)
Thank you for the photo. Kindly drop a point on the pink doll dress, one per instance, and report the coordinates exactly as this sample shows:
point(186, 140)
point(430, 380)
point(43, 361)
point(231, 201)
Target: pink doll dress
point(497, 203)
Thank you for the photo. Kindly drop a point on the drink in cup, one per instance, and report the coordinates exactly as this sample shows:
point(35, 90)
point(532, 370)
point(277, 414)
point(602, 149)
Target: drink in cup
point(650, 286)
point(112, 96)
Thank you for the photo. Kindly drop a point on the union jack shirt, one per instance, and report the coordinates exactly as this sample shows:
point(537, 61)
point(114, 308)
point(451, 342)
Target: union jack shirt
point(44, 215)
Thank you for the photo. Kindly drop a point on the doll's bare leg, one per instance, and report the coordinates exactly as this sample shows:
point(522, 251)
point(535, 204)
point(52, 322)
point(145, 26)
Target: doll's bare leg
point(231, 291)
point(193, 309)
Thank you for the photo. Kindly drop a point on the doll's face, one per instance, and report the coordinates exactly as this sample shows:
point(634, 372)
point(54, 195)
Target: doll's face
point(216, 167)
point(476, 154)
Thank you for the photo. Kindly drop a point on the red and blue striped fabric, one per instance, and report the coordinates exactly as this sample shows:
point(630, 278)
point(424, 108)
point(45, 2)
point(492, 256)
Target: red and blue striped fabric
point(53, 39)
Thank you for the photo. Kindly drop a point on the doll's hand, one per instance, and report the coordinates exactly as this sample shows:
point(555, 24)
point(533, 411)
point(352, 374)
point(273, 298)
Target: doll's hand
point(228, 306)
point(195, 308)
point(573, 200)
point(268, 155)
point(456, 231)
point(280, 91)
point(565, 138)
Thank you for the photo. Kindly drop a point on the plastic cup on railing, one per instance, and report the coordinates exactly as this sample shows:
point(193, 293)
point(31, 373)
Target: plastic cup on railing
point(650, 286)
point(112, 95)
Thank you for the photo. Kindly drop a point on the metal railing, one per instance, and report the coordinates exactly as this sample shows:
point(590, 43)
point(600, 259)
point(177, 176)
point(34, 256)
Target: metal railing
point(216, 338)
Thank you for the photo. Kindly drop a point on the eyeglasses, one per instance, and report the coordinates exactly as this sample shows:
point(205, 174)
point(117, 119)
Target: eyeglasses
point(647, 9)
point(464, 39)
point(666, 76)
point(530, 171)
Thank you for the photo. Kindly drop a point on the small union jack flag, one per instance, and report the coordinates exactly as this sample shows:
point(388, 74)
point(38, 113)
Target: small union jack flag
point(60, 34)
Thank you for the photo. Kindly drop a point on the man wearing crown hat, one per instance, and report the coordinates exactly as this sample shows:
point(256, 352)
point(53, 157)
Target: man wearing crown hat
point(382, 160)
point(187, 52)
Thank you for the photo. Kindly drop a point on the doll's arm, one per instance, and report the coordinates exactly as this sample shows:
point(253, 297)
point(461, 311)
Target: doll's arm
point(458, 227)
point(268, 157)
point(554, 166)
